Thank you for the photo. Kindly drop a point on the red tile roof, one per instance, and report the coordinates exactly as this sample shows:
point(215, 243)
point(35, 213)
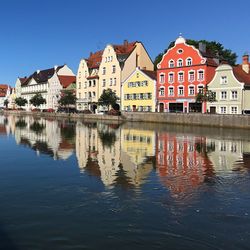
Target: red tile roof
point(66, 80)
point(241, 75)
point(125, 48)
point(95, 59)
point(3, 90)
point(151, 74)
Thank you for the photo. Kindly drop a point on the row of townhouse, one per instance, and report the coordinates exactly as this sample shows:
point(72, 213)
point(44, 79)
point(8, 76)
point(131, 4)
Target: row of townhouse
point(183, 72)
point(6, 95)
point(49, 83)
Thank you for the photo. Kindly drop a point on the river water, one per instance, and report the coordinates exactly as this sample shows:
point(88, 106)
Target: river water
point(91, 185)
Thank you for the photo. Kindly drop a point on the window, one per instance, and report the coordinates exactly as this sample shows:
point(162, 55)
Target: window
point(223, 80)
point(234, 110)
point(191, 90)
point(180, 76)
point(104, 70)
point(85, 85)
point(191, 76)
point(79, 86)
point(162, 78)
point(113, 69)
point(189, 62)
point(162, 91)
point(234, 95)
point(181, 91)
point(223, 110)
point(200, 89)
point(114, 81)
point(93, 94)
point(89, 94)
point(171, 77)
point(89, 83)
point(104, 82)
point(179, 51)
point(171, 64)
point(110, 82)
point(200, 75)
point(180, 63)
point(170, 91)
point(223, 95)
point(94, 83)
point(80, 95)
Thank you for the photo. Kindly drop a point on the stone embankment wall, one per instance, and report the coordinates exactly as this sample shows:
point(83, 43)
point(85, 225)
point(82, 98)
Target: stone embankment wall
point(208, 120)
point(211, 120)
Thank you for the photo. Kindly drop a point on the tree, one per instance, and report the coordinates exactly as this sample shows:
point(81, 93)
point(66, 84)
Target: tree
point(20, 101)
point(67, 98)
point(215, 48)
point(37, 100)
point(206, 96)
point(6, 103)
point(108, 98)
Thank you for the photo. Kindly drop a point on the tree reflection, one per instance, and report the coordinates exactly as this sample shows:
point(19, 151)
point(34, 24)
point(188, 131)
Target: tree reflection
point(108, 138)
point(21, 124)
point(37, 127)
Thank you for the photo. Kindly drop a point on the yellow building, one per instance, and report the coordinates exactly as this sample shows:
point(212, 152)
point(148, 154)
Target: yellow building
point(139, 91)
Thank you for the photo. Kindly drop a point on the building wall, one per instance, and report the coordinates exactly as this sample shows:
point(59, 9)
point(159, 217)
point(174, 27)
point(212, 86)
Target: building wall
point(112, 80)
point(138, 76)
point(232, 84)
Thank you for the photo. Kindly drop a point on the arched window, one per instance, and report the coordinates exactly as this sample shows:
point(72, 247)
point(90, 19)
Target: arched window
point(200, 75)
point(181, 77)
point(162, 78)
point(191, 76)
point(200, 89)
point(170, 91)
point(171, 77)
point(191, 90)
point(171, 64)
point(162, 91)
point(180, 63)
point(180, 90)
point(189, 61)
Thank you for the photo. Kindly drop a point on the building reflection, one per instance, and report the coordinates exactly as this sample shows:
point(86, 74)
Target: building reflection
point(45, 136)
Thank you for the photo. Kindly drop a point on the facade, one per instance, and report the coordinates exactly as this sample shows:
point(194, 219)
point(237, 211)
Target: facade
point(138, 91)
point(183, 72)
point(5, 94)
point(231, 85)
point(48, 83)
point(108, 69)
point(87, 82)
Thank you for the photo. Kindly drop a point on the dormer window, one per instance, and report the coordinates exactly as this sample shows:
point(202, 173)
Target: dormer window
point(180, 63)
point(189, 62)
point(171, 64)
point(223, 80)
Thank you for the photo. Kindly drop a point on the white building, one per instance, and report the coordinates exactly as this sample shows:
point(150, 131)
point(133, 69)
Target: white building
point(46, 82)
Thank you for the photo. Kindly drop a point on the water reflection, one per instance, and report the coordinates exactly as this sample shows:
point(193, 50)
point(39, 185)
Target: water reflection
point(127, 155)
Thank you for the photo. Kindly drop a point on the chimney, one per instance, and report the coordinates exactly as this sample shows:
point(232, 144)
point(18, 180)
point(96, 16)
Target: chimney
point(245, 62)
point(125, 43)
point(202, 47)
point(38, 71)
point(55, 67)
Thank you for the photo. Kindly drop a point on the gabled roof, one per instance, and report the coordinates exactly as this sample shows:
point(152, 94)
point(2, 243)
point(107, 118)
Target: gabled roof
point(124, 50)
point(241, 75)
point(66, 80)
point(42, 76)
point(94, 59)
point(151, 74)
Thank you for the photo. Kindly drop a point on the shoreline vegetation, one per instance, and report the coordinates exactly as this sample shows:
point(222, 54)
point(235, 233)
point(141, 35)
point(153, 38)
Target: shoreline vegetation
point(187, 119)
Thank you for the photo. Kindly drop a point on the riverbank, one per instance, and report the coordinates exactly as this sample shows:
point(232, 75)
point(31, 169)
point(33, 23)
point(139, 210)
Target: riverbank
point(197, 119)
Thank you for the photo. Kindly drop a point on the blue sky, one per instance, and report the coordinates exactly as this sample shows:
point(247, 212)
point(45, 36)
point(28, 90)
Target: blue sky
point(38, 34)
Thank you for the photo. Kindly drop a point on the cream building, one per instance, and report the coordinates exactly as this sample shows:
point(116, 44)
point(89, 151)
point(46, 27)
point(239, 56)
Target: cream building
point(231, 85)
point(107, 69)
point(45, 82)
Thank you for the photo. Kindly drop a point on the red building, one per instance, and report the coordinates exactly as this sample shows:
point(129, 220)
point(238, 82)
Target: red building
point(183, 72)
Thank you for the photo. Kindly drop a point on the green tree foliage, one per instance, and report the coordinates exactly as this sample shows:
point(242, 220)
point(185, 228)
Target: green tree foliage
point(20, 101)
point(206, 96)
point(37, 100)
point(215, 48)
point(108, 98)
point(68, 98)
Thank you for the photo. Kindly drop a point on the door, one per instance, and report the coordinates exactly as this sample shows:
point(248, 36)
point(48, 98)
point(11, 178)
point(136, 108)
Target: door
point(212, 110)
point(161, 107)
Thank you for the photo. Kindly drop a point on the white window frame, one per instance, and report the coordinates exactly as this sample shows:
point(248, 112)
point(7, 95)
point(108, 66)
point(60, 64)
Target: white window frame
point(172, 88)
point(169, 80)
point(189, 73)
point(180, 62)
point(223, 110)
point(198, 75)
point(171, 63)
point(189, 59)
point(162, 88)
point(236, 110)
point(223, 80)
point(222, 96)
point(162, 78)
point(198, 87)
point(180, 87)
point(189, 87)
point(180, 72)
point(234, 97)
